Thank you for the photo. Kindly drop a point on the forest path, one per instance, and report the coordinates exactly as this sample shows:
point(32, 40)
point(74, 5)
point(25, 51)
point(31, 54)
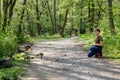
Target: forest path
point(67, 60)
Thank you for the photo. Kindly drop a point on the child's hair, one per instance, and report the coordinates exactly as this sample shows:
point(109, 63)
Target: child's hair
point(97, 29)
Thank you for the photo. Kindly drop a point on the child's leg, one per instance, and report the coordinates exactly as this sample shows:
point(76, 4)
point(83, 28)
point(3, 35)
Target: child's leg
point(92, 51)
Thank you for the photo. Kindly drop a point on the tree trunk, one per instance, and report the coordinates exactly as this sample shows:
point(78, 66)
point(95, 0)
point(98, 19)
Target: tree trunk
point(71, 22)
point(81, 26)
point(60, 22)
point(99, 12)
point(30, 30)
point(59, 19)
point(89, 16)
point(12, 4)
point(38, 18)
point(6, 4)
point(0, 15)
point(92, 15)
point(21, 19)
point(110, 13)
point(55, 29)
point(71, 29)
point(52, 22)
point(64, 24)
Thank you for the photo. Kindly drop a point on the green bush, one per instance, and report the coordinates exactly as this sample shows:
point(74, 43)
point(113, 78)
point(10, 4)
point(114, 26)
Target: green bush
point(112, 44)
point(24, 38)
point(9, 73)
point(8, 43)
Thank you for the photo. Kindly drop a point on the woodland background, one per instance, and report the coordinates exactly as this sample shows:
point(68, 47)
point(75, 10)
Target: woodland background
point(24, 20)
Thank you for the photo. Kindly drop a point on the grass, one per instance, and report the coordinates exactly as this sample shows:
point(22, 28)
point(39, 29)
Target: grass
point(89, 38)
point(48, 37)
point(115, 57)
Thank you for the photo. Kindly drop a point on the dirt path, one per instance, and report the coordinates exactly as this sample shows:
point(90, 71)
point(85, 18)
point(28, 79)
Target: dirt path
point(65, 60)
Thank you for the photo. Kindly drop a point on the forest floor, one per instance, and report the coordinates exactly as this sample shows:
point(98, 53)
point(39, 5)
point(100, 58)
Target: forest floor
point(67, 59)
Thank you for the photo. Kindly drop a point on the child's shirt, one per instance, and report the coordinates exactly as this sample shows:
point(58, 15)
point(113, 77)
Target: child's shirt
point(98, 39)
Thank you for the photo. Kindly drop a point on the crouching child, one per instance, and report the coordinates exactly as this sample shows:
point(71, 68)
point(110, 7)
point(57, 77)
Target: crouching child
point(96, 48)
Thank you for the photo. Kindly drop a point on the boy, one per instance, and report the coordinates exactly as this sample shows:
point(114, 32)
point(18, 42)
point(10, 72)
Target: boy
point(96, 48)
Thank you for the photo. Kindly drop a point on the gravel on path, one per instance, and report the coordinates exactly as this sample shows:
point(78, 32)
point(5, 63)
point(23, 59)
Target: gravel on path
point(67, 60)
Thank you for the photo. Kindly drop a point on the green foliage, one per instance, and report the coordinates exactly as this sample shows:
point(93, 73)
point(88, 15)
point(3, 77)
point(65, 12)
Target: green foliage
point(112, 44)
point(24, 38)
point(89, 38)
point(47, 37)
point(8, 44)
point(9, 74)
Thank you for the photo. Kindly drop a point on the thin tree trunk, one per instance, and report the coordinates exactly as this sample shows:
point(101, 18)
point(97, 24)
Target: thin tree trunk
point(38, 18)
point(59, 19)
point(99, 12)
point(60, 22)
point(0, 14)
point(110, 14)
point(12, 4)
point(81, 27)
point(52, 22)
point(71, 29)
point(64, 24)
point(92, 15)
point(21, 19)
point(30, 30)
point(6, 4)
point(81, 14)
point(89, 16)
point(71, 22)
point(55, 17)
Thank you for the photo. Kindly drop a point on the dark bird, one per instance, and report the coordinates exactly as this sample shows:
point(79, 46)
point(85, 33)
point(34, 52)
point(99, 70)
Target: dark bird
point(27, 56)
point(5, 63)
point(23, 49)
point(27, 48)
point(41, 55)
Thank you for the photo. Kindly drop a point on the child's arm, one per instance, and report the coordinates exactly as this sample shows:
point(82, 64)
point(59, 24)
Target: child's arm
point(96, 44)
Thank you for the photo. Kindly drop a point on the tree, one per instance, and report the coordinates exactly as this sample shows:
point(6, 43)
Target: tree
point(64, 24)
point(91, 6)
point(71, 22)
point(0, 16)
point(38, 18)
point(51, 18)
point(110, 14)
point(99, 13)
point(92, 14)
point(6, 4)
point(55, 27)
point(89, 15)
point(30, 29)
point(19, 33)
point(12, 4)
point(81, 26)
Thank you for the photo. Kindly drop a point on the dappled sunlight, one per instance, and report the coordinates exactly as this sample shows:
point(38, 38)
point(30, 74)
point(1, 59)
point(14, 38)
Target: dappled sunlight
point(68, 62)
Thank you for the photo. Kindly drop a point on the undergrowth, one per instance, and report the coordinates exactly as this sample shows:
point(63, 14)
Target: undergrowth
point(48, 37)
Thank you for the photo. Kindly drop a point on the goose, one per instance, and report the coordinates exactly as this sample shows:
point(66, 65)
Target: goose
point(23, 49)
point(5, 63)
